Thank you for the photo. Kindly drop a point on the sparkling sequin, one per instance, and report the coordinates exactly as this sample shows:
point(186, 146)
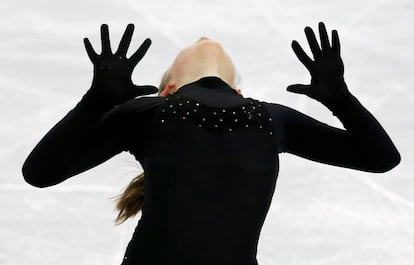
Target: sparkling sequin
point(250, 114)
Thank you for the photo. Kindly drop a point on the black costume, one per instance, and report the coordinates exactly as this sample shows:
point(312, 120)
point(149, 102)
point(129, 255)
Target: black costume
point(210, 158)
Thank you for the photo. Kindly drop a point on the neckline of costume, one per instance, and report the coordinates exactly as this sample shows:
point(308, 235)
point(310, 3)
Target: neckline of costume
point(211, 82)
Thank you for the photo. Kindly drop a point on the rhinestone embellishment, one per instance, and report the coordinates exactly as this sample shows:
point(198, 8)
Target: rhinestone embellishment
point(251, 114)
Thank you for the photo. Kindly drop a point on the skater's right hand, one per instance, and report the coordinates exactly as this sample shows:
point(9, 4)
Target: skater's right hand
point(112, 81)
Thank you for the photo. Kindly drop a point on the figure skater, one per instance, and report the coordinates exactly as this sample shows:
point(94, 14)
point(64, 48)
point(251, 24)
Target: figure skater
point(210, 155)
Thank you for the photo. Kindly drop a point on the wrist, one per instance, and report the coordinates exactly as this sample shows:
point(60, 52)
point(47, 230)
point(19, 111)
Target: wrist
point(340, 98)
point(96, 102)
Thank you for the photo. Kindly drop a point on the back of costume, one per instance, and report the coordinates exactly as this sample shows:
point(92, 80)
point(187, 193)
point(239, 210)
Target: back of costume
point(210, 166)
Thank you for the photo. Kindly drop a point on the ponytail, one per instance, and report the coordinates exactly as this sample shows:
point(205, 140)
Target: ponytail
point(131, 201)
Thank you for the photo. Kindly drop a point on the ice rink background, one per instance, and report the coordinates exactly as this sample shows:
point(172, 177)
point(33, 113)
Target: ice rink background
point(319, 215)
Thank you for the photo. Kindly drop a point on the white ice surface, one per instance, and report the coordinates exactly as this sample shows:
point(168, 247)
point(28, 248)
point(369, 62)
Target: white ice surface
point(319, 215)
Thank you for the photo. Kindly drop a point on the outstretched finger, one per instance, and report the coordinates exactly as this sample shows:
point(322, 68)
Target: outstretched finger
point(324, 37)
point(298, 89)
point(89, 50)
point(302, 56)
point(137, 56)
point(336, 46)
point(313, 43)
point(125, 41)
point(106, 46)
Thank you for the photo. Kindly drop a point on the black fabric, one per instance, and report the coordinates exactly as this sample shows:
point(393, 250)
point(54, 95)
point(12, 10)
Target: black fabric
point(209, 178)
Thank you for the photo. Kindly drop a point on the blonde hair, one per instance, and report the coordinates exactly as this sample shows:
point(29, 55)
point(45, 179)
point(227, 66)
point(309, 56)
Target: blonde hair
point(131, 200)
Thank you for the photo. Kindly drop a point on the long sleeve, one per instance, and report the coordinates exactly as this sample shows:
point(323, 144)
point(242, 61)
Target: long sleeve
point(88, 135)
point(364, 145)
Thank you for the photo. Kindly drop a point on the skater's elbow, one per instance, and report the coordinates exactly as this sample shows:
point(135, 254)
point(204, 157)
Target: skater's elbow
point(35, 179)
point(388, 162)
point(36, 183)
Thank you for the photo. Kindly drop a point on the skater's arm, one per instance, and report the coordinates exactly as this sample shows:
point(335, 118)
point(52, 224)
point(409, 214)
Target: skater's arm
point(98, 127)
point(364, 145)
point(84, 138)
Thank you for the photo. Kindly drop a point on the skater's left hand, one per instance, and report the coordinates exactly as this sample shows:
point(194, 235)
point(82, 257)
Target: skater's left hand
point(327, 69)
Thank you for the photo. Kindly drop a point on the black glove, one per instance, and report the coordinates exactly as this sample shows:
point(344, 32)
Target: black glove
point(327, 69)
point(112, 84)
